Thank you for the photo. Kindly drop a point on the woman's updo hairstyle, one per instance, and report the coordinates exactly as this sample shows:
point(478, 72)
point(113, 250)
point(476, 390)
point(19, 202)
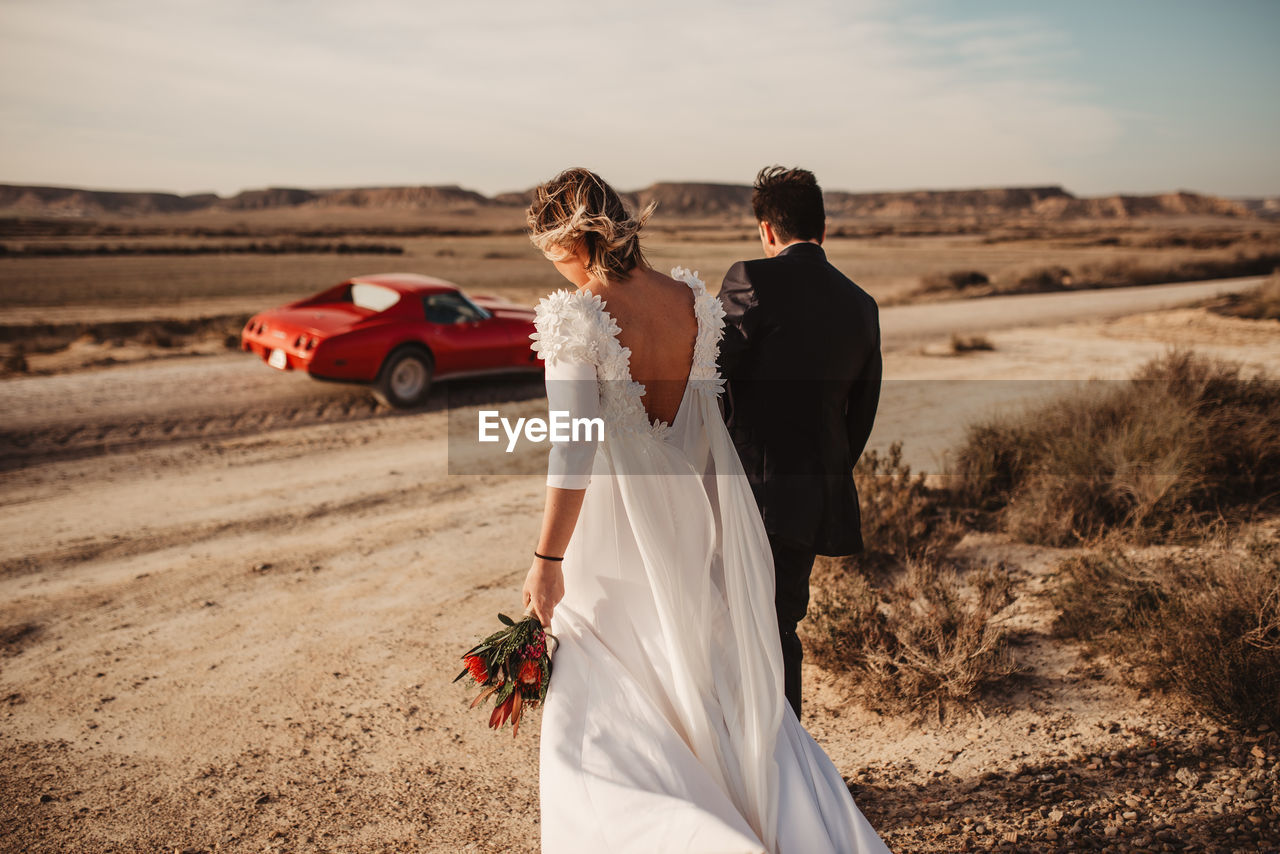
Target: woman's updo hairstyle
point(577, 207)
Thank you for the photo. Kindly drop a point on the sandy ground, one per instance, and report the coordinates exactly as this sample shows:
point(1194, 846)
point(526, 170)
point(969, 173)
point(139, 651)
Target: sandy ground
point(232, 602)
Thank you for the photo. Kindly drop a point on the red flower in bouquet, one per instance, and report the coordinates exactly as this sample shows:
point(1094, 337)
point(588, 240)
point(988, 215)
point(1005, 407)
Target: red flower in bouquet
point(513, 667)
point(475, 666)
point(530, 674)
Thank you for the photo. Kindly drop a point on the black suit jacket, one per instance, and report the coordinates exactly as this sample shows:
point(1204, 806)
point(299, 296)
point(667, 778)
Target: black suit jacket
point(801, 357)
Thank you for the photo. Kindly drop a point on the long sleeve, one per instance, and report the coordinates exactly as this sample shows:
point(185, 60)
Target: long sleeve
point(738, 298)
point(572, 388)
point(864, 399)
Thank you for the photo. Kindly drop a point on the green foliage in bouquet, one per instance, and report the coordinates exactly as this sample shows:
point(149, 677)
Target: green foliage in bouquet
point(513, 667)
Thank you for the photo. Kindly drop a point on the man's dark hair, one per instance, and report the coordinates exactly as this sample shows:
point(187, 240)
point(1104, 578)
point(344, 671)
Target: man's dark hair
point(790, 200)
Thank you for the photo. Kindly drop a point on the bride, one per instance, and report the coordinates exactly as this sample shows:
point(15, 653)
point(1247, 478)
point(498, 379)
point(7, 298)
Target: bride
point(665, 727)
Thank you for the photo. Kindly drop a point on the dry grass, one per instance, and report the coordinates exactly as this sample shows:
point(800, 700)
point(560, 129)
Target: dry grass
point(1041, 280)
point(1260, 303)
point(909, 629)
point(485, 250)
point(970, 343)
point(1186, 442)
point(927, 637)
point(1177, 264)
point(954, 282)
point(903, 519)
point(253, 247)
point(1204, 623)
point(1120, 274)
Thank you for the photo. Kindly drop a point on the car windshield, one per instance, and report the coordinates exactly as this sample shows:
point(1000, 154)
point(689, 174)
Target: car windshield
point(373, 297)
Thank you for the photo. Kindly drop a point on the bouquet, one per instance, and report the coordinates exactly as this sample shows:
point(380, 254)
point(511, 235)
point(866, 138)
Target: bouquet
point(513, 666)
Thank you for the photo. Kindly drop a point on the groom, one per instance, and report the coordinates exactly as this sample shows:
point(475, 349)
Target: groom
point(801, 356)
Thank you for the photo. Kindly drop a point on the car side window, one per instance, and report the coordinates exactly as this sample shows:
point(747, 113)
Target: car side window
point(451, 308)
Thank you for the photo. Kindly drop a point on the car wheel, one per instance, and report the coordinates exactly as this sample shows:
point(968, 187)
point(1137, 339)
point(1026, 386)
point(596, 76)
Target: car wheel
point(405, 378)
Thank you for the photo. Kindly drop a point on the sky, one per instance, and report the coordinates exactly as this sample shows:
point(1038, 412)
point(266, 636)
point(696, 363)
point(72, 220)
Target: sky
point(1100, 97)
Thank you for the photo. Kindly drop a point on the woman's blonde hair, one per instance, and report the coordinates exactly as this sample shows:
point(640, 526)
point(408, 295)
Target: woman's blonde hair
point(578, 208)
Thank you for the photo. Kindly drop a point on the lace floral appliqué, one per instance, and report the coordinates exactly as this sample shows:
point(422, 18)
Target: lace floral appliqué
point(575, 325)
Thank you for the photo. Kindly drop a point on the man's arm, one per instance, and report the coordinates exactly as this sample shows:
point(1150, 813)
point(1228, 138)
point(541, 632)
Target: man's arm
point(864, 398)
point(738, 298)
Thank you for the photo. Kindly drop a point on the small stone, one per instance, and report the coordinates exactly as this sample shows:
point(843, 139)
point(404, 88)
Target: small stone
point(1187, 777)
point(261, 567)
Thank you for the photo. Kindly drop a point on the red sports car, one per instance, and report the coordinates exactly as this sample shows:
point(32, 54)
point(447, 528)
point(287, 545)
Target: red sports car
point(395, 331)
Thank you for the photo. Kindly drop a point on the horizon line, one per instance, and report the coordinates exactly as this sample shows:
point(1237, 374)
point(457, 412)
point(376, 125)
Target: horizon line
point(918, 189)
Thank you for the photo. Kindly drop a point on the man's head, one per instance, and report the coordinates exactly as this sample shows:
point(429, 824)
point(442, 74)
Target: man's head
point(788, 206)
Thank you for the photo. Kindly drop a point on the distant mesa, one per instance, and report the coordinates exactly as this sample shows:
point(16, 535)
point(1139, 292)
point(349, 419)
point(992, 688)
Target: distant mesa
point(695, 199)
point(675, 199)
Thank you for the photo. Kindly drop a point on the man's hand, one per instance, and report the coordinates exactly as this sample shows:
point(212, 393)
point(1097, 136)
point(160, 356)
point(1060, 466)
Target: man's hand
point(543, 589)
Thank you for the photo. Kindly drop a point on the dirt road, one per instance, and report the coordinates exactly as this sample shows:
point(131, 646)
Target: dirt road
point(234, 394)
point(907, 324)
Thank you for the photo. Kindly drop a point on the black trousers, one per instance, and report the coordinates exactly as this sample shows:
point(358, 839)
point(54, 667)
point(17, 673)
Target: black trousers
point(792, 564)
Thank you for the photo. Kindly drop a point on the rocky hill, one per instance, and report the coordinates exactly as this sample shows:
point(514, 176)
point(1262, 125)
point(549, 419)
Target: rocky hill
point(1264, 207)
point(694, 200)
point(64, 201)
point(675, 199)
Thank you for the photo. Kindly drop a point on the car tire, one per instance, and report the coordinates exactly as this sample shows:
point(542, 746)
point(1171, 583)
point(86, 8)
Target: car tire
point(405, 378)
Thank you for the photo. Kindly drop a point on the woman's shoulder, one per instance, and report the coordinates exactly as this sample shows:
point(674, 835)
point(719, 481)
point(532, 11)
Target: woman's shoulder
point(571, 325)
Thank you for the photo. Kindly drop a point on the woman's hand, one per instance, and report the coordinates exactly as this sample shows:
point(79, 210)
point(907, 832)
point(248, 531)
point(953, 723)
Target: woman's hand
point(543, 588)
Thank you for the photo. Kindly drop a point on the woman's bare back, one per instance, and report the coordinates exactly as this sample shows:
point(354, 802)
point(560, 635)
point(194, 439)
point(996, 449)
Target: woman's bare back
point(656, 321)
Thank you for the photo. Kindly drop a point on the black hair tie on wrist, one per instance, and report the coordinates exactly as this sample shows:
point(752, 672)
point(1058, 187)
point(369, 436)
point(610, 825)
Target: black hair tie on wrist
point(544, 557)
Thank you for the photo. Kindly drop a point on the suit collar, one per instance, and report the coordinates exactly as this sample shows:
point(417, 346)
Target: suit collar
point(804, 249)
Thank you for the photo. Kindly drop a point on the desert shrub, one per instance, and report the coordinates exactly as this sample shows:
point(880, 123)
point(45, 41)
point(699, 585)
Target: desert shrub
point(15, 361)
point(902, 517)
point(906, 626)
point(954, 281)
point(1203, 623)
point(1260, 303)
point(926, 638)
point(1186, 441)
point(970, 343)
point(1126, 273)
point(1043, 279)
point(285, 247)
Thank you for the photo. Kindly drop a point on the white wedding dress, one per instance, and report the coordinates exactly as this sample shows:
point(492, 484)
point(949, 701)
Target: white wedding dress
point(665, 728)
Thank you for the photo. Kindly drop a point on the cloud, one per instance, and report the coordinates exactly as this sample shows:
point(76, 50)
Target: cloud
point(194, 96)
